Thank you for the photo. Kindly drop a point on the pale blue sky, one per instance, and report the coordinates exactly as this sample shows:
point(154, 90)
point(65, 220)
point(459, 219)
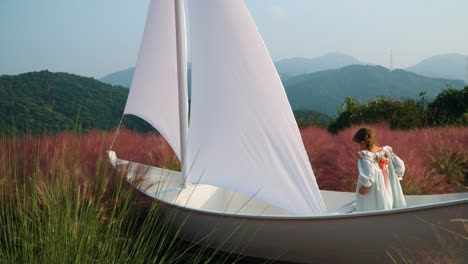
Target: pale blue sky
point(97, 37)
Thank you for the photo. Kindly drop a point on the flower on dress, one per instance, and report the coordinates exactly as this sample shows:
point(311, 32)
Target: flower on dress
point(381, 158)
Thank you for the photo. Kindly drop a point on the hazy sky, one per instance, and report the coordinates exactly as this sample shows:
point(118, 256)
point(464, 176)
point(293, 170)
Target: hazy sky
point(97, 37)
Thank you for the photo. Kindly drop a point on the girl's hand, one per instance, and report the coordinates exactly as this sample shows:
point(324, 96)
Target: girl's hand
point(362, 190)
point(387, 155)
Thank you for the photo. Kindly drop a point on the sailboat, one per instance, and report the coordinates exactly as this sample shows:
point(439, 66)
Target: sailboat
point(244, 165)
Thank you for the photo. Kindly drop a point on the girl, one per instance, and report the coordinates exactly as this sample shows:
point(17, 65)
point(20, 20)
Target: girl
point(380, 173)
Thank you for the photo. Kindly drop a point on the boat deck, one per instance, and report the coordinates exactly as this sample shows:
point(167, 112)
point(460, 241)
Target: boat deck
point(166, 185)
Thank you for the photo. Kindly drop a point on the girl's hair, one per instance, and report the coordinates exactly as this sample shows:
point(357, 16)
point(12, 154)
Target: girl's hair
point(367, 135)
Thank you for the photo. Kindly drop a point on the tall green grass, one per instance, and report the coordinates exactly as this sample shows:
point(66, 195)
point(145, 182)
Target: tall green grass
point(450, 247)
point(59, 205)
point(61, 202)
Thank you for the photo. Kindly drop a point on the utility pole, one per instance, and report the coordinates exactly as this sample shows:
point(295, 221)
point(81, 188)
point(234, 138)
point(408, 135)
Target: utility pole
point(466, 64)
point(391, 60)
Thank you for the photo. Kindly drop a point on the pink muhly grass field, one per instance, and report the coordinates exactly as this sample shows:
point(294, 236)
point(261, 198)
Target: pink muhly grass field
point(334, 158)
point(435, 158)
point(81, 157)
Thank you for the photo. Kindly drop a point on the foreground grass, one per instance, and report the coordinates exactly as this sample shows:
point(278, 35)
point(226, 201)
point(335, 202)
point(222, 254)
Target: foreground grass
point(58, 207)
point(61, 202)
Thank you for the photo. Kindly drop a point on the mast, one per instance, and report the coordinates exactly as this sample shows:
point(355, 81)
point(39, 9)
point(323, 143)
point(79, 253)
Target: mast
point(182, 81)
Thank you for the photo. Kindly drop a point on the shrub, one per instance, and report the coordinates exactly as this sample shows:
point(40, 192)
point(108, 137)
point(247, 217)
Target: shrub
point(450, 108)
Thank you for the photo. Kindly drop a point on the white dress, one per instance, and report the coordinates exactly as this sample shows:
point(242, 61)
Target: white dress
point(381, 173)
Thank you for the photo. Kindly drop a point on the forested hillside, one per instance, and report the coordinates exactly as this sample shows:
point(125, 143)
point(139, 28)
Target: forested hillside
point(39, 102)
point(43, 101)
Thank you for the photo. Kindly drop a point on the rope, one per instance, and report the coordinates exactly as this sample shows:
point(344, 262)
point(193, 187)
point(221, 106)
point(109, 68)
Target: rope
point(116, 132)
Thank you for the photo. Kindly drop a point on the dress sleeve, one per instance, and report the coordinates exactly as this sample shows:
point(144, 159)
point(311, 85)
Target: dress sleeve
point(366, 178)
point(398, 165)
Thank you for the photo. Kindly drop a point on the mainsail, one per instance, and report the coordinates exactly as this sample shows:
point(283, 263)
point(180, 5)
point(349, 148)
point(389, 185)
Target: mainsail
point(154, 92)
point(243, 135)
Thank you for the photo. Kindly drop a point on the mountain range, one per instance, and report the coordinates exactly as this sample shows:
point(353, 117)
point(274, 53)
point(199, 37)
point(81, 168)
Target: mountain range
point(287, 68)
point(450, 66)
point(297, 66)
point(324, 91)
point(122, 78)
point(45, 101)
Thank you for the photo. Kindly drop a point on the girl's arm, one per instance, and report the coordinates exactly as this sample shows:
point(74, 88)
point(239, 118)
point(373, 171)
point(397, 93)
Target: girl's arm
point(398, 165)
point(366, 178)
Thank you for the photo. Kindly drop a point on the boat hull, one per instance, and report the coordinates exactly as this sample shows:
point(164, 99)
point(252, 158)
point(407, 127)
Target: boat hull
point(430, 222)
point(333, 239)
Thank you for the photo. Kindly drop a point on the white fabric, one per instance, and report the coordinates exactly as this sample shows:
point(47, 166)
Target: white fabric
point(154, 94)
point(379, 195)
point(396, 170)
point(242, 134)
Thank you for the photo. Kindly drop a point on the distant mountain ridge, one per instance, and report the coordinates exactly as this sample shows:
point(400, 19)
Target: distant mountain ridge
point(123, 78)
point(286, 68)
point(329, 61)
point(450, 66)
point(324, 91)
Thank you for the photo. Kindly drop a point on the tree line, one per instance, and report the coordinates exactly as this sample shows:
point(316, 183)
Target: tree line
point(449, 108)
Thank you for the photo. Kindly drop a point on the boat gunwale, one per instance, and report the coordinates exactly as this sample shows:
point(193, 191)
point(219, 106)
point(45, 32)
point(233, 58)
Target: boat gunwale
point(317, 217)
point(300, 217)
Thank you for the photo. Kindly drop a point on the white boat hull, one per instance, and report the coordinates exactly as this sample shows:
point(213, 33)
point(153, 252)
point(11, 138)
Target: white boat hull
point(202, 211)
point(329, 239)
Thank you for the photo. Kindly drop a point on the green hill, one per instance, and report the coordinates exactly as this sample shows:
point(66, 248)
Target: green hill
point(39, 102)
point(43, 101)
point(325, 91)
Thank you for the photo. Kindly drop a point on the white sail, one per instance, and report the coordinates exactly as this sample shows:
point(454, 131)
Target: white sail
point(154, 92)
point(242, 134)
